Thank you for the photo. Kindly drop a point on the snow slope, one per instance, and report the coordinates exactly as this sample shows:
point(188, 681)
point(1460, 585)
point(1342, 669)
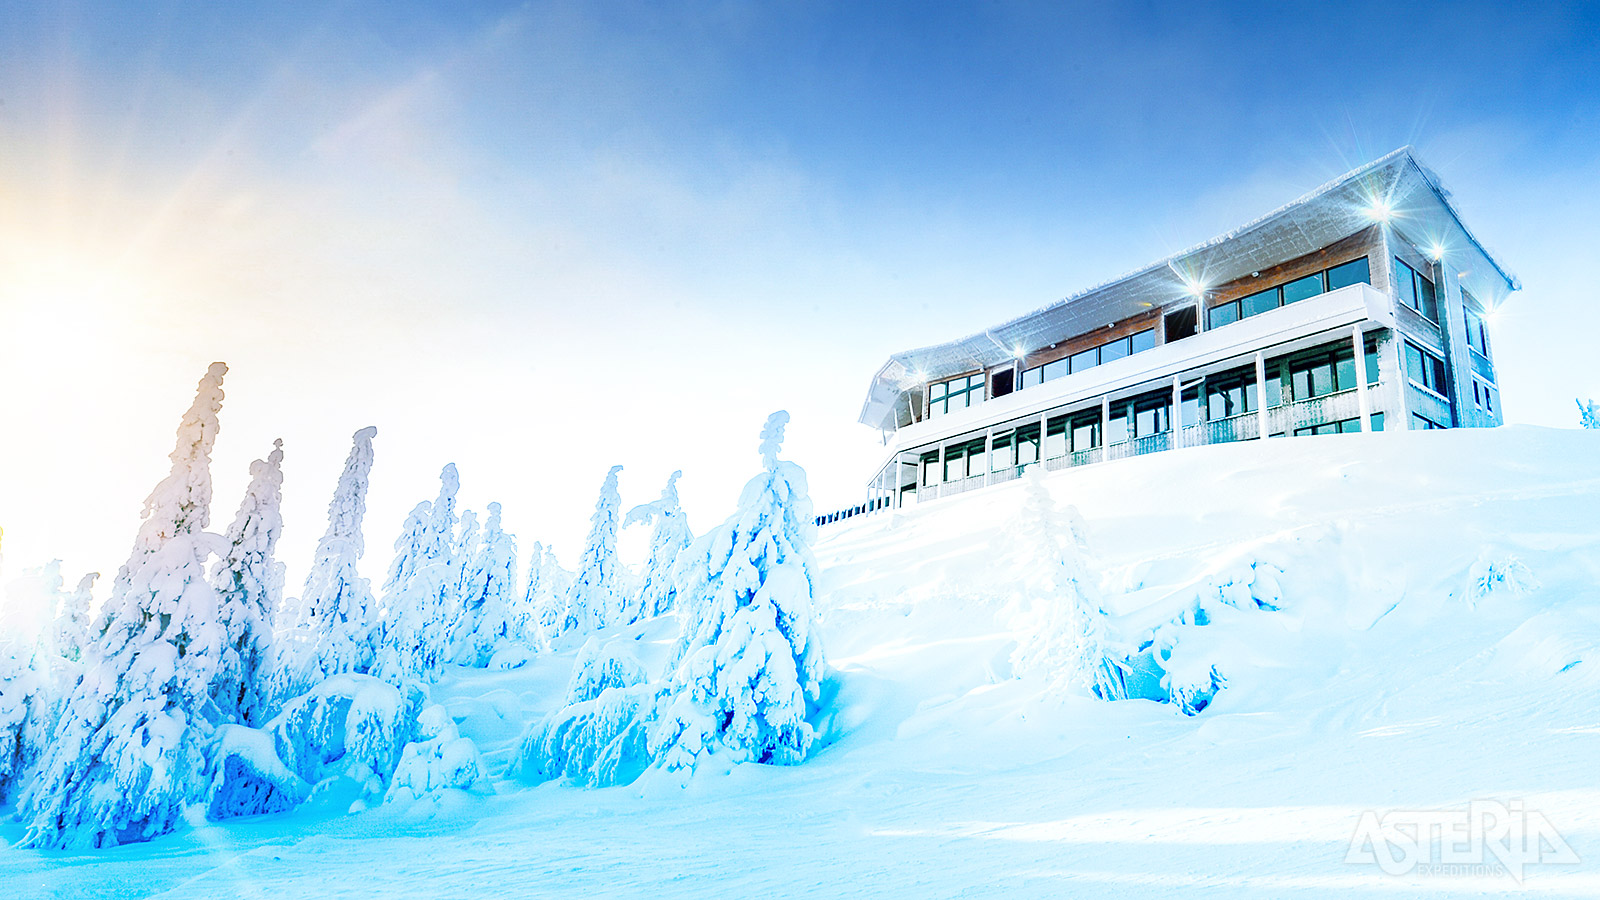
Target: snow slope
point(1384, 682)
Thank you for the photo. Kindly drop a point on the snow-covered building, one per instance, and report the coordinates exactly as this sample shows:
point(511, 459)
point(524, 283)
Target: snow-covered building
point(1360, 306)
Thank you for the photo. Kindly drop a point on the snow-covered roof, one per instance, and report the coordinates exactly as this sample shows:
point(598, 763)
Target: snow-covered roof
point(1420, 211)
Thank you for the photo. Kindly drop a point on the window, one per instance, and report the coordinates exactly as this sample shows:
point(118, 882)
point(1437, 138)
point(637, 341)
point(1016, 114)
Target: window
point(1005, 452)
point(1027, 445)
point(1086, 431)
point(1118, 427)
point(1343, 426)
point(1423, 423)
point(1301, 289)
point(1477, 330)
point(1226, 314)
point(1354, 272)
point(1229, 395)
point(1055, 437)
point(1483, 396)
point(1415, 290)
point(1342, 275)
point(1088, 359)
point(1000, 382)
point(1151, 415)
point(1258, 303)
point(1326, 372)
point(958, 393)
point(1426, 370)
point(930, 468)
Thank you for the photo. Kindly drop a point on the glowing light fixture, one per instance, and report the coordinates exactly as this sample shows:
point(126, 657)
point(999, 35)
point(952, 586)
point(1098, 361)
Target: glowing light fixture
point(1194, 288)
point(1380, 211)
point(1018, 352)
point(1437, 252)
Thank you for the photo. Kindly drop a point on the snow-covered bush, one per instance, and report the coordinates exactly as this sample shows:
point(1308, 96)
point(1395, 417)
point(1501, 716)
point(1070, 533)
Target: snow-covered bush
point(599, 742)
point(748, 666)
point(594, 600)
point(128, 754)
point(421, 597)
point(1063, 634)
point(488, 615)
point(1589, 414)
point(601, 665)
point(350, 727)
point(249, 582)
point(338, 614)
point(248, 778)
point(669, 536)
point(438, 759)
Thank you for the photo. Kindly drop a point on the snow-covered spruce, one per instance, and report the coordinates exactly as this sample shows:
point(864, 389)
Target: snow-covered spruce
point(1589, 414)
point(1063, 635)
point(747, 668)
point(72, 618)
point(669, 536)
point(488, 595)
point(337, 612)
point(422, 599)
point(128, 752)
point(544, 601)
point(249, 583)
point(594, 601)
point(43, 636)
point(25, 707)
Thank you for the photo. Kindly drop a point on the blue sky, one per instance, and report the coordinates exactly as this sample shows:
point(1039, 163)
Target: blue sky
point(538, 239)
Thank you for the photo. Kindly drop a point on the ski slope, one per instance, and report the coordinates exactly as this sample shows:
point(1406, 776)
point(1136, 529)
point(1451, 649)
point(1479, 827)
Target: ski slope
point(1386, 681)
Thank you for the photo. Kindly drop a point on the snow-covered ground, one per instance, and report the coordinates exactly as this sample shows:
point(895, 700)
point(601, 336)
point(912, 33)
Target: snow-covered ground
point(1386, 681)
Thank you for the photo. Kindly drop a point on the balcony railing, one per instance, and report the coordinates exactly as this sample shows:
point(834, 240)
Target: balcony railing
point(1284, 419)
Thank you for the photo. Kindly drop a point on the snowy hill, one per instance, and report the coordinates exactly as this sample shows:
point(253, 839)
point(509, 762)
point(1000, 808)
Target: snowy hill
point(1436, 641)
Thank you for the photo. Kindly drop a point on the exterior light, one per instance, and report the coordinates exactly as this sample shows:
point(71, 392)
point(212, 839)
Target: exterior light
point(1194, 289)
point(1437, 251)
point(1380, 211)
point(1018, 352)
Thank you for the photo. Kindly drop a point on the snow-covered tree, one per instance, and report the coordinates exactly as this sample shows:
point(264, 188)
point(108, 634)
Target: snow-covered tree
point(1063, 633)
point(488, 614)
point(338, 614)
point(669, 537)
point(545, 600)
point(24, 711)
point(593, 600)
point(1589, 414)
point(421, 599)
point(72, 619)
point(128, 753)
point(747, 668)
point(249, 581)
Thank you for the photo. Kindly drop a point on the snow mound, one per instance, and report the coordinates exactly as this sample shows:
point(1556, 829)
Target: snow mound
point(349, 727)
point(248, 778)
point(440, 760)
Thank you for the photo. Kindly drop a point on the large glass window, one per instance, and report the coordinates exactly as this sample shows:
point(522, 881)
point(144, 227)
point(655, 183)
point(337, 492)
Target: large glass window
point(1415, 290)
point(930, 468)
point(1426, 370)
point(1086, 360)
point(1354, 272)
point(1226, 314)
point(1113, 351)
point(1258, 303)
point(1027, 445)
point(1086, 431)
point(1302, 288)
point(1141, 341)
point(1005, 452)
point(1477, 330)
point(1323, 373)
point(1230, 395)
point(958, 393)
point(1119, 427)
point(1055, 437)
point(1151, 416)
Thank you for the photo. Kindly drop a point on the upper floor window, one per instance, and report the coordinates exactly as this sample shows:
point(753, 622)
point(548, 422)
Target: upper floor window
point(1426, 370)
point(957, 393)
point(1477, 330)
point(1415, 290)
point(1355, 271)
point(1088, 359)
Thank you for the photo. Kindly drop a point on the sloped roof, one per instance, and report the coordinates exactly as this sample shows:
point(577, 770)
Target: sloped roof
point(1421, 212)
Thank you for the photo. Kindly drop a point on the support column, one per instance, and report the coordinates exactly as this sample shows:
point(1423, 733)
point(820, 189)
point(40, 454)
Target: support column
point(1044, 429)
point(1261, 394)
point(942, 469)
point(1105, 427)
point(1177, 411)
point(988, 455)
point(1361, 377)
